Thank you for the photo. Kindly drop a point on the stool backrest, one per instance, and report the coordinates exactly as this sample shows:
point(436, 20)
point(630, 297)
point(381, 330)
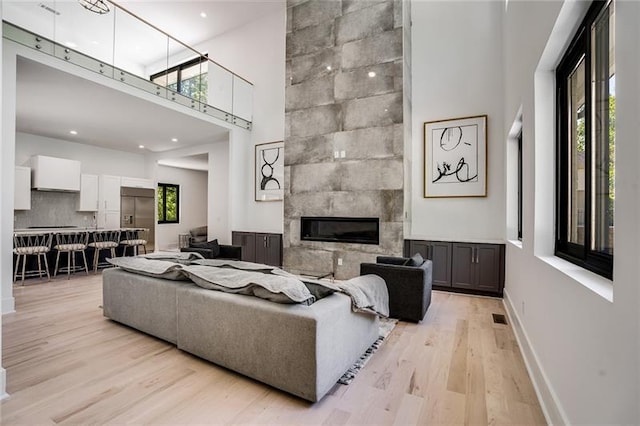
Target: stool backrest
point(137, 234)
point(75, 238)
point(32, 240)
point(106, 235)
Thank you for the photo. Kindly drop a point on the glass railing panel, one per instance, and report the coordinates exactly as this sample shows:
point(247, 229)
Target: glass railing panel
point(123, 47)
point(220, 82)
point(35, 16)
point(27, 38)
point(242, 98)
point(84, 31)
point(136, 45)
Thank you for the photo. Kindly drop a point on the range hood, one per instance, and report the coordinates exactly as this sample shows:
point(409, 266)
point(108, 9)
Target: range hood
point(55, 174)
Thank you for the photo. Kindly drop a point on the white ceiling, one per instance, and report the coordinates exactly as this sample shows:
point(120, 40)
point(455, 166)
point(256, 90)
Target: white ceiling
point(194, 162)
point(51, 103)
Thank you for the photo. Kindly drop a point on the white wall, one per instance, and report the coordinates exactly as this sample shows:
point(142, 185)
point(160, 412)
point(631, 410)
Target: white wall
point(255, 51)
point(457, 72)
point(93, 159)
point(4, 232)
point(580, 332)
point(193, 204)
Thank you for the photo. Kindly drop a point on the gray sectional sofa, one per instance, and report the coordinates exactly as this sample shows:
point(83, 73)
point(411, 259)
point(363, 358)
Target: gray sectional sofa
point(300, 349)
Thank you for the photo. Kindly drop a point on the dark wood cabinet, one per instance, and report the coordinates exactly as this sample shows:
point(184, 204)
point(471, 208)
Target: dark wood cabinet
point(467, 267)
point(439, 253)
point(477, 267)
point(259, 247)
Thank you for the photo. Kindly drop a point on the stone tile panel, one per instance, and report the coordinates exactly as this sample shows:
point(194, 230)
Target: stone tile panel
point(322, 177)
point(314, 149)
point(371, 175)
point(365, 23)
point(382, 110)
point(307, 204)
point(397, 13)
point(314, 65)
point(349, 6)
point(356, 83)
point(310, 39)
point(310, 93)
point(303, 259)
point(367, 143)
point(385, 47)
point(315, 121)
point(314, 13)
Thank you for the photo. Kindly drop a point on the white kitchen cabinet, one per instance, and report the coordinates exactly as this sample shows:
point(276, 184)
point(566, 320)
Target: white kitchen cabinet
point(55, 174)
point(108, 219)
point(22, 189)
point(137, 183)
point(108, 201)
point(109, 193)
point(88, 201)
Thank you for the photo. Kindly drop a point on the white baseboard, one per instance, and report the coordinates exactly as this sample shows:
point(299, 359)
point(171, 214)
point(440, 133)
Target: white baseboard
point(8, 305)
point(3, 384)
point(551, 407)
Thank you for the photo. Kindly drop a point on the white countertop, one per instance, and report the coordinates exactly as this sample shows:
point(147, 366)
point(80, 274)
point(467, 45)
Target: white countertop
point(66, 230)
point(456, 240)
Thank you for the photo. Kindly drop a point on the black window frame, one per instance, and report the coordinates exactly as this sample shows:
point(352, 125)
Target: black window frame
point(164, 187)
point(179, 68)
point(581, 46)
point(519, 142)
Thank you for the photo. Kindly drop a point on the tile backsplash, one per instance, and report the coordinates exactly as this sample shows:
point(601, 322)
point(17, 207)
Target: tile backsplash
point(50, 208)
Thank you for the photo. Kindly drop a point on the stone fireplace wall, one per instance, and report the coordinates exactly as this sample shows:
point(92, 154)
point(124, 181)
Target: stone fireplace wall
point(344, 132)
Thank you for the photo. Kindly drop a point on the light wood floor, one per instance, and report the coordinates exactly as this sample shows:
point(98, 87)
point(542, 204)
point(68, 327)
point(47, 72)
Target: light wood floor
point(67, 364)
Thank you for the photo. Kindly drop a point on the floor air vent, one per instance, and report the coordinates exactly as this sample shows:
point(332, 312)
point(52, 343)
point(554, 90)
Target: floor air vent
point(499, 319)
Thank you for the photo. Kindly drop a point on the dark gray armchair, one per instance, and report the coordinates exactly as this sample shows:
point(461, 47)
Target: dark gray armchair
point(213, 250)
point(408, 282)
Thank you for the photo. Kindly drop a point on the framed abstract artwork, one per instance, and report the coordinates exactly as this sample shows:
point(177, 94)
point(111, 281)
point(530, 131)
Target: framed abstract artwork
point(269, 171)
point(455, 157)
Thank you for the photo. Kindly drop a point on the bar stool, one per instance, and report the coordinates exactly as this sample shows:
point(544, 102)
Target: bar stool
point(134, 238)
point(29, 245)
point(104, 240)
point(71, 243)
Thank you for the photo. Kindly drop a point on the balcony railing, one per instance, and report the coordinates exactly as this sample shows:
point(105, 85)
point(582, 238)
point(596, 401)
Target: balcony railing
point(121, 46)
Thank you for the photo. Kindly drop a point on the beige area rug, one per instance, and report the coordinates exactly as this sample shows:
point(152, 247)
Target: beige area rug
point(386, 327)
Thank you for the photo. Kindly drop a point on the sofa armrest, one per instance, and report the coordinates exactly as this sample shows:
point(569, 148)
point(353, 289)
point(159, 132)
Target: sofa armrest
point(230, 252)
point(409, 288)
point(389, 260)
point(206, 253)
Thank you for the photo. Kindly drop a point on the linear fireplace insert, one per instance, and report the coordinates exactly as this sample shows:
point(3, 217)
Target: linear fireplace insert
point(359, 230)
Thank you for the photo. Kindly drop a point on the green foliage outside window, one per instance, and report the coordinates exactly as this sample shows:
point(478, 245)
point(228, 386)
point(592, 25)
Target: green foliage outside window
point(168, 203)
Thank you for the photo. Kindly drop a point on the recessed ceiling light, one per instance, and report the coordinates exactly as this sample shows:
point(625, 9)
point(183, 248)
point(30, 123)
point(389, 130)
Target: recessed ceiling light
point(328, 67)
point(174, 139)
point(203, 14)
point(70, 44)
point(141, 146)
point(73, 132)
point(372, 74)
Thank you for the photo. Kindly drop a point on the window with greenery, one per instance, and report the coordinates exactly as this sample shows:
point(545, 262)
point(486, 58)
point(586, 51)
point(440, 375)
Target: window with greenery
point(585, 194)
point(168, 203)
point(188, 79)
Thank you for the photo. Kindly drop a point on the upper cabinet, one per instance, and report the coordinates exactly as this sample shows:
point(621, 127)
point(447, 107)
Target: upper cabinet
point(22, 189)
point(55, 174)
point(137, 183)
point(88, 200)
point(109, 193)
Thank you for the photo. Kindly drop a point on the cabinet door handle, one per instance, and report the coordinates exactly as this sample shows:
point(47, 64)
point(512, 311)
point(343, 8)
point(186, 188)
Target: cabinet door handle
point(473, 255)
point(477, 255)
